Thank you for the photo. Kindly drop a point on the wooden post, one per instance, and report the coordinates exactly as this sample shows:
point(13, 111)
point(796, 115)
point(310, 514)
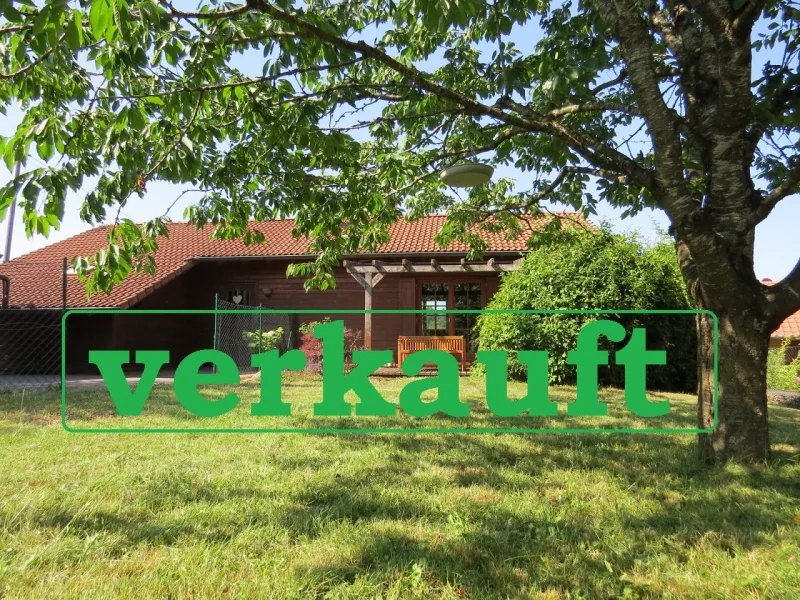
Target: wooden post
point(368, 279)
point(367, 315)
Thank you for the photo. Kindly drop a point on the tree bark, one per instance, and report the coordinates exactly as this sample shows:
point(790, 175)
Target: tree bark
point(742, 432)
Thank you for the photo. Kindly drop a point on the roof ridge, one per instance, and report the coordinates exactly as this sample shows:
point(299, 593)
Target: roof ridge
point(292, 219)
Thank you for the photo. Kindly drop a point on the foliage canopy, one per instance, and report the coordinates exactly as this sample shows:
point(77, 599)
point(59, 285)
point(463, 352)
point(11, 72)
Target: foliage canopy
point(341, 113)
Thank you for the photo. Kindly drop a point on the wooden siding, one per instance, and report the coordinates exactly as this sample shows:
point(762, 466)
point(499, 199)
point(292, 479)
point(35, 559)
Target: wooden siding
point(268, 286)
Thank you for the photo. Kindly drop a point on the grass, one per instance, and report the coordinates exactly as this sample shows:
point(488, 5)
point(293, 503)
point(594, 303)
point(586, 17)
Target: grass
point(385, 516)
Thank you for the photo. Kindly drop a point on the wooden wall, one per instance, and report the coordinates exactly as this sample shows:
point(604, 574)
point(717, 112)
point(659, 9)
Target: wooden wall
point(268, 285)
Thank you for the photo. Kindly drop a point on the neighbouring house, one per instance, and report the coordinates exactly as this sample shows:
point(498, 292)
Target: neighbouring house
point(408, 272)
point(789, 330)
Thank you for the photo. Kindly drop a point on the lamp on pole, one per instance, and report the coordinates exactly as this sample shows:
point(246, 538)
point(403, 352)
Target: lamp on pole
point(12, 211)
point(467, 175)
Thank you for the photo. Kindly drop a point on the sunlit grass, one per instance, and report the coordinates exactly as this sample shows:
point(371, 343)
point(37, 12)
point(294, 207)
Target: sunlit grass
point(385, 515)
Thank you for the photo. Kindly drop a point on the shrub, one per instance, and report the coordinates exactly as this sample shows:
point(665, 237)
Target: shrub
point(312, 347)
point(780, 375)
point(602, 270)
point(270, 340)
point(309, 327)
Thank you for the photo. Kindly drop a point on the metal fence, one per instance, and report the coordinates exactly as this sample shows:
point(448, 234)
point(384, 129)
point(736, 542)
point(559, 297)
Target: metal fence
point(32, 303)
point(30, 348)
point(241, 331)
point(792, 352)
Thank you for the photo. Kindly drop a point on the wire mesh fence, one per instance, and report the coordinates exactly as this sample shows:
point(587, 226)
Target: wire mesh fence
point(30, 349)
point(792, 352)
point(241, 331)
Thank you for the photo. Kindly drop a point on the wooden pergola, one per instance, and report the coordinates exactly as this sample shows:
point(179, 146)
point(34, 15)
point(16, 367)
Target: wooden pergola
point(369, 275)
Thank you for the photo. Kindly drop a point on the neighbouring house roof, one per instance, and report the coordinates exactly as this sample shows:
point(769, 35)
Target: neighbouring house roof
point(36, 277)
point(790, 328)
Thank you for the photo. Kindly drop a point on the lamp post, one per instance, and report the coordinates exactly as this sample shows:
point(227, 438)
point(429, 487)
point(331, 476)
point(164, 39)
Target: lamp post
point(12, 211)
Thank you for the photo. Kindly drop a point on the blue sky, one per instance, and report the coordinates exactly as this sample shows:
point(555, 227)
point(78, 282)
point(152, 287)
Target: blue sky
point(777, 238)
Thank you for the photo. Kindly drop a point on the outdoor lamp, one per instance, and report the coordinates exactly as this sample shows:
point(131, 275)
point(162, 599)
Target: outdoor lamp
point(467, 175)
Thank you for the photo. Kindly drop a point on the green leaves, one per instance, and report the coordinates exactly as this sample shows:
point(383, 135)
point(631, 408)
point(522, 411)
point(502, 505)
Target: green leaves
point(75, 31)
point(599, 271)
point(101, 17)
point(271, 122)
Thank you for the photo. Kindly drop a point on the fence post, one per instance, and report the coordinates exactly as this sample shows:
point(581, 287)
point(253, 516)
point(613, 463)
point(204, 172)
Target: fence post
point(216, 307)
point(260, 324)
point(64, 286)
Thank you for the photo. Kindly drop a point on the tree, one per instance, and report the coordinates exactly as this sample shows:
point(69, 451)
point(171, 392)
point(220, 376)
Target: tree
point(341, 113)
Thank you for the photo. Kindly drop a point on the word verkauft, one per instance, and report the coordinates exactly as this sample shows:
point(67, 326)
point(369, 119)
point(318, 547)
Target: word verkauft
point(586, 357)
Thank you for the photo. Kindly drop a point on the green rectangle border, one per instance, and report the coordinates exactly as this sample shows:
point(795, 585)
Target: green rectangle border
point(383, 312)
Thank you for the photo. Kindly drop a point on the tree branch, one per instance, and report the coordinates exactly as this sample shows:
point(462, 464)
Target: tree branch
point(15, 28)
point(623, 74)
point(603, 156)
point(714, 14)
point(624, 18)
point(36, 62)
point(748, 15)
point(791, 185)
point(592, 107)
point(213, 87)
point(562, 175)
point(215, 14)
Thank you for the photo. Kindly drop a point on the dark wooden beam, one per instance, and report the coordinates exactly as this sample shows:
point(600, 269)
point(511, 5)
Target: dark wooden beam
point(408, 266)
point(368, 315)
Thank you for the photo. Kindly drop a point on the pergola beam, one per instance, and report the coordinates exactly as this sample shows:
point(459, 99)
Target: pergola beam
point(367, 280)
point(378, 267)
point(369, 275)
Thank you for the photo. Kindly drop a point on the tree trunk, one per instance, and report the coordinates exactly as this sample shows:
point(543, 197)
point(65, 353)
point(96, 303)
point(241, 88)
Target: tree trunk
point(742, 433)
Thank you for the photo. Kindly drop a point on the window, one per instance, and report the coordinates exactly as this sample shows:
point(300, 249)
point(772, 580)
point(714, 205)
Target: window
point(467, 296)
point(240, 297)
point(434, 298)
point(450, 295)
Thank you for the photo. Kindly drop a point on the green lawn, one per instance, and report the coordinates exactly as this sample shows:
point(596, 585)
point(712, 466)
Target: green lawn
point(394, 516)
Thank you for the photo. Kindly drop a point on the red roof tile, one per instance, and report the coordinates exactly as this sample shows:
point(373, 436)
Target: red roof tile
point(790, 328)
point(36, 277)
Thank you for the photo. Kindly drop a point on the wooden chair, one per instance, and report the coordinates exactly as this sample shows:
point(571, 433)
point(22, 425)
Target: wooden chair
point(454, 344)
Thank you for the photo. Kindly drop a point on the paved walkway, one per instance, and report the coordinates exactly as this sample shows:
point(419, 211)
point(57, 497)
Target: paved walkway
point(33, 382)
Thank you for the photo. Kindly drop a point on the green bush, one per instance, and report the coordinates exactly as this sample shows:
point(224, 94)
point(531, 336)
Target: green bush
point(309, 327)
point(602, 270)
point(270, 340)
point(782, 376)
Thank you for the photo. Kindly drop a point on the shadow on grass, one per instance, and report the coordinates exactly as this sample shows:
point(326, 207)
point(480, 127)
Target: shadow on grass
point(491, 514)
point(484, 546)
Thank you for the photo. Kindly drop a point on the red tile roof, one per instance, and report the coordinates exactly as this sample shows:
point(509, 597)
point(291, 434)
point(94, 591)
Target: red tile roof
point(790, 328)
point(36, 277)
